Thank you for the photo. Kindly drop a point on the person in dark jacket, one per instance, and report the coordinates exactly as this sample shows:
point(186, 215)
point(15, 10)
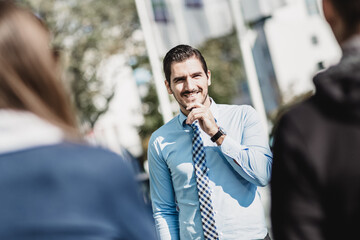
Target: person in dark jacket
point(52, 185)
point(315, 186)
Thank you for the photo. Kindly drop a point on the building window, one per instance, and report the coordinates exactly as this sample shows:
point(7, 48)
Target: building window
point(312, 7)
point(194, 3)
point(160, 11)
point(314, 40)
point(320, 66)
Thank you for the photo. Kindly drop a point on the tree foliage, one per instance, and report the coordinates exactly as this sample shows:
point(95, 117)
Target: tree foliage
point(223, 58)
point(87, 32)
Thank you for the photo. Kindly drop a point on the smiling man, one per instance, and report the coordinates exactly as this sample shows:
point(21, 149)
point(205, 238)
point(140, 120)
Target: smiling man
point(206, 163)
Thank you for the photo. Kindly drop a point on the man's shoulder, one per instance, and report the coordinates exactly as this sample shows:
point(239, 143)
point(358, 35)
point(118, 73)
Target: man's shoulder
point(166, 129)
point(235, 107)
point(302, 110)
point(302, 115)
point(235, 111)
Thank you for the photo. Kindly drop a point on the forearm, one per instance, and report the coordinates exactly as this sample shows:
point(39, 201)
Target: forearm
point(164, 207)
point(167, 225)
point(251, 162)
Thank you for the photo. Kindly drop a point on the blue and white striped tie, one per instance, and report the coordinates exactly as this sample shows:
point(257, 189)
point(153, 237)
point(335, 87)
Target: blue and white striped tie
point(202, 180)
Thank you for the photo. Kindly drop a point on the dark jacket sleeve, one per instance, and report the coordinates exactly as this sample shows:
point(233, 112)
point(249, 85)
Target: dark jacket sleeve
point(296, 211)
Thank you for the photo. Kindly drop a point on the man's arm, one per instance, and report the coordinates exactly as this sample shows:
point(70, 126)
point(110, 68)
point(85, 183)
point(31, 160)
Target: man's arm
point(162, 194)
point(296, 210)
point(251, 157)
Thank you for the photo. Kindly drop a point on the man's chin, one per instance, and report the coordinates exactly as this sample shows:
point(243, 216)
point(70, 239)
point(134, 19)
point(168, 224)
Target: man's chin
point(189, 101)
point(185, 103)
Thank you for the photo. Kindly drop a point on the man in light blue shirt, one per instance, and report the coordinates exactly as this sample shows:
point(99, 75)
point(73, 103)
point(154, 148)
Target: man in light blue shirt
point(237, 156)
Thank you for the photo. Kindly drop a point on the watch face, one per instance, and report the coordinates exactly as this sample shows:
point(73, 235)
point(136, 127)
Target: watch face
point(222, 130)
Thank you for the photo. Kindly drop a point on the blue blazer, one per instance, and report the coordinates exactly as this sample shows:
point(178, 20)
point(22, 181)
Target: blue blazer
point(70, 191)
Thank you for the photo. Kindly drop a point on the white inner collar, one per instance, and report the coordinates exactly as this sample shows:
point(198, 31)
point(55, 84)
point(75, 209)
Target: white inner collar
point(21, 129)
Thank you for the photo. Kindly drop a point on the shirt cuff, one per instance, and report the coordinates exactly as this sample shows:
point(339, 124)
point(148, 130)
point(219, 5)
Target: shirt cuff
point(232, 148)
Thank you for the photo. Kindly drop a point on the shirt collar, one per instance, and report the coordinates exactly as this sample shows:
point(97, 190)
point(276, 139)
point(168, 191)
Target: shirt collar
point(22, 129)
point(213, 109)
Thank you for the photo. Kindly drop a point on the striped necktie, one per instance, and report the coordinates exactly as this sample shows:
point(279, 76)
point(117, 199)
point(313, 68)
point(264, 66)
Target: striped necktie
point(202, 180)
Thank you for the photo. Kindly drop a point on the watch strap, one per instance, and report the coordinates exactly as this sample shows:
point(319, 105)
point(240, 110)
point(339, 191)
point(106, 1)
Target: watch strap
point(217, 135)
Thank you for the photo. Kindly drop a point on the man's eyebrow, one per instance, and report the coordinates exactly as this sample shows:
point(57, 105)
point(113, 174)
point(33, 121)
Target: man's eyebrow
point(196, 73)
point(179, 78)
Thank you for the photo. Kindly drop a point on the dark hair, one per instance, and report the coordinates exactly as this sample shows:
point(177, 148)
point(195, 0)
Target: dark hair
point(349, 11)
point(181, 53)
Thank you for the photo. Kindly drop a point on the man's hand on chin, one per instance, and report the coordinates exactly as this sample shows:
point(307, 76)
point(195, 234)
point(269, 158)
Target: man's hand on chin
point(203, 114)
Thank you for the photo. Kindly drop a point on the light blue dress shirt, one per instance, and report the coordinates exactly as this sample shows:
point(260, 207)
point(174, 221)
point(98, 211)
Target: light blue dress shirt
point(236, 168)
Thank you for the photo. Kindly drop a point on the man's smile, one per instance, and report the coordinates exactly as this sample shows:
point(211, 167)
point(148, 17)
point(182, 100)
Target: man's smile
point(192, 94)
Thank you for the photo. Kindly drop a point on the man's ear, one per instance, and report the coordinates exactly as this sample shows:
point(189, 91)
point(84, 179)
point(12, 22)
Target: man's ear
point(335, 21)
point(168, 87)
point(209, 77)
point(328, 10)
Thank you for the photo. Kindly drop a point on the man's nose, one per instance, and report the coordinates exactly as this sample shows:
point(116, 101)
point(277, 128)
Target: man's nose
point(189, 83)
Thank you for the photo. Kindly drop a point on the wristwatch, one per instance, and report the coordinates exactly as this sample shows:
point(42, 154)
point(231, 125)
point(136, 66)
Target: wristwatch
point(218, 134)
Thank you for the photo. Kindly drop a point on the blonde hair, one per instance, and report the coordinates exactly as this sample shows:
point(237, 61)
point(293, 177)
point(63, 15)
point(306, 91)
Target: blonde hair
point(28, 77)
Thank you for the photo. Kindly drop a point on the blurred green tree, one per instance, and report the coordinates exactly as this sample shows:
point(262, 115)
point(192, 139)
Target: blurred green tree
point(223, 58)
point(87, 32)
